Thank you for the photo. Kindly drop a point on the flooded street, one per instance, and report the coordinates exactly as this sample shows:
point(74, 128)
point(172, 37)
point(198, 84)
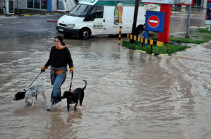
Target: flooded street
point(179, 20)
point(129, 94)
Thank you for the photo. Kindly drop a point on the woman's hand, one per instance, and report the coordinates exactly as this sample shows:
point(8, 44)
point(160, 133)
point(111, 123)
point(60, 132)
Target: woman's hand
point(71, 71)
point(43, 69)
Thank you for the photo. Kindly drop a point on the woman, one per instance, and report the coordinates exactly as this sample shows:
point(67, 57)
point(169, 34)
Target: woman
point(59, 58)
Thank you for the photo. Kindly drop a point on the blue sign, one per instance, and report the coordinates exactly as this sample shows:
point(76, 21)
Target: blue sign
point(208, 13)
point(154, 21)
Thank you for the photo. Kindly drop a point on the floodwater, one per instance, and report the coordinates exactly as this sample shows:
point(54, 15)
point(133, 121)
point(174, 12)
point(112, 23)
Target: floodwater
point(178, 24)
point(129, 94)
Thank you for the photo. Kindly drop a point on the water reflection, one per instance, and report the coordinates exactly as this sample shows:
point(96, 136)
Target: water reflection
point(61, 125)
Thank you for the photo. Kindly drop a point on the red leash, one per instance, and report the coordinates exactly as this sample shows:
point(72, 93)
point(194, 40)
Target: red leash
point(71, 81)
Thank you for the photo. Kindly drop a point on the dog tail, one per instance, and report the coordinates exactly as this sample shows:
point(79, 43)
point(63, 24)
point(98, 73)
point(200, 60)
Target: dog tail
point(85, 84)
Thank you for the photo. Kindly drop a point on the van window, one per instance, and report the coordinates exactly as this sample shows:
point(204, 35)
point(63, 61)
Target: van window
point(97, 12)
point(81, 10)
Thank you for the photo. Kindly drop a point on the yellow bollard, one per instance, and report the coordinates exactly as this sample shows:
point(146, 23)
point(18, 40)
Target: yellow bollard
point(120, 30)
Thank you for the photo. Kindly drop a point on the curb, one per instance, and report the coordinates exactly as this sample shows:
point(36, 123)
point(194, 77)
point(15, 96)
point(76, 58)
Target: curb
point(41, 14)
point(155, 54)
point(188, 49)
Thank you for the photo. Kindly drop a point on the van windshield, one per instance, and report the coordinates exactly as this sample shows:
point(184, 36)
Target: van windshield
point(81, 10)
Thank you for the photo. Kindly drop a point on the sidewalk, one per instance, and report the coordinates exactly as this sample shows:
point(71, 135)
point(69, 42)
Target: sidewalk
point(32, 13)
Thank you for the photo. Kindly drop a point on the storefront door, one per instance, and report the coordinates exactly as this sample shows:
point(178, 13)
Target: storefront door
point(198, 3)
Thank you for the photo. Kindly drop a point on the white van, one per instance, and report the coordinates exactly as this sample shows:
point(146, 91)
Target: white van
point(95, 17)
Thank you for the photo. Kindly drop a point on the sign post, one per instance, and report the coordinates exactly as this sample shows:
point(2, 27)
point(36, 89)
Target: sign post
point(164, 36)
point(166, 8)
point(208, 14)
point(188, 23)
point(154, 22)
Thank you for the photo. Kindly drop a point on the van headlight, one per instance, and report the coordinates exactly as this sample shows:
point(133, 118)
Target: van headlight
point(70, 25)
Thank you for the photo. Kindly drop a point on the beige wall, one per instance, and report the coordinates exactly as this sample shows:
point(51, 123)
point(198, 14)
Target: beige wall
point(205, 4)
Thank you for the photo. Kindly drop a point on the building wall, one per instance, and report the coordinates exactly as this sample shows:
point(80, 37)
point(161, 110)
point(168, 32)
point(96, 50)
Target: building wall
point(1, 4)
point(22, 4)
point(54, 5)
point(205, 4)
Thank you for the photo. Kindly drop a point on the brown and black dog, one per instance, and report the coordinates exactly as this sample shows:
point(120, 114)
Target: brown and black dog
point(74, 96)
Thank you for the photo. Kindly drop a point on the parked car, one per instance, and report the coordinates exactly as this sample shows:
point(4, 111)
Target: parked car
point(96, 17)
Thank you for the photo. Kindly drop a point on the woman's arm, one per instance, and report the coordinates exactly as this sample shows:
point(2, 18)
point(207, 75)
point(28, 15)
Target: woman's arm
point(69, 60)
point(48, 63)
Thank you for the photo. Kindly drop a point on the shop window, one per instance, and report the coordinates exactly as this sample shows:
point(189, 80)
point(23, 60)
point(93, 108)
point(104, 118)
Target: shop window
point(29, 3)
point(37, 4)
point(44, 4)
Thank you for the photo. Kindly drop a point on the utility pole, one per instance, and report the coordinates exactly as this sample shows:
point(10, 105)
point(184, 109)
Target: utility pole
point(135, 20)
point(188, 23)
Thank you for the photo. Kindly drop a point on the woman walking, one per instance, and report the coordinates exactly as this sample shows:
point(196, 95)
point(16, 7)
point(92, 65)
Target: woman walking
point(59, 58)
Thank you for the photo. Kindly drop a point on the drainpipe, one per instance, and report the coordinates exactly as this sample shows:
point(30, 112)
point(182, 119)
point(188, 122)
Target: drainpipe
point(49, 6)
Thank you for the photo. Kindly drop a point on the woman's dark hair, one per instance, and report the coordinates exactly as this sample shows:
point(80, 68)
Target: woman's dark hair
point(60, 39)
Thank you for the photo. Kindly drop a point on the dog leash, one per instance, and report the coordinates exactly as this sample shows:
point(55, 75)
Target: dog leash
point(35, 79)
point(71, 81)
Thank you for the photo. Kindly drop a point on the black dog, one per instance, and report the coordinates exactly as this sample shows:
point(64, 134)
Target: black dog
point(73, 97)
point(19, 95)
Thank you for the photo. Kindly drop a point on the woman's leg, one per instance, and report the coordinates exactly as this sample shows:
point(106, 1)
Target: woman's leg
point(56, 92)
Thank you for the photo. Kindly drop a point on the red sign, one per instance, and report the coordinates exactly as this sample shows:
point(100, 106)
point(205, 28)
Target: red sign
point(153, 21)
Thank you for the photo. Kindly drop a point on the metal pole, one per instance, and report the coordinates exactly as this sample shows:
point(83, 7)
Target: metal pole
point(188, 23)
point(17, 8)
point(135, 20)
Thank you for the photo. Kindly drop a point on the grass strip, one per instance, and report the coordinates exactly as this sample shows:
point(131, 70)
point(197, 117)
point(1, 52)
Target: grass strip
point(198, 36)
point(156, 49)
point(185, 40)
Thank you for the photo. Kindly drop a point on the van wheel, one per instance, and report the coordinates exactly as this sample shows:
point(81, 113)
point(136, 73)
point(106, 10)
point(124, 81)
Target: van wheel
point(84, 34)
point(140, 31)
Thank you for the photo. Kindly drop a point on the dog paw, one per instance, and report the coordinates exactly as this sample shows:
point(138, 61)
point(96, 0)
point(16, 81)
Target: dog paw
point(48, 109)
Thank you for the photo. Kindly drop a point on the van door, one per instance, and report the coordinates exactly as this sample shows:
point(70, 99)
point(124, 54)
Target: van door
point(97, 14)
point(109, 26)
